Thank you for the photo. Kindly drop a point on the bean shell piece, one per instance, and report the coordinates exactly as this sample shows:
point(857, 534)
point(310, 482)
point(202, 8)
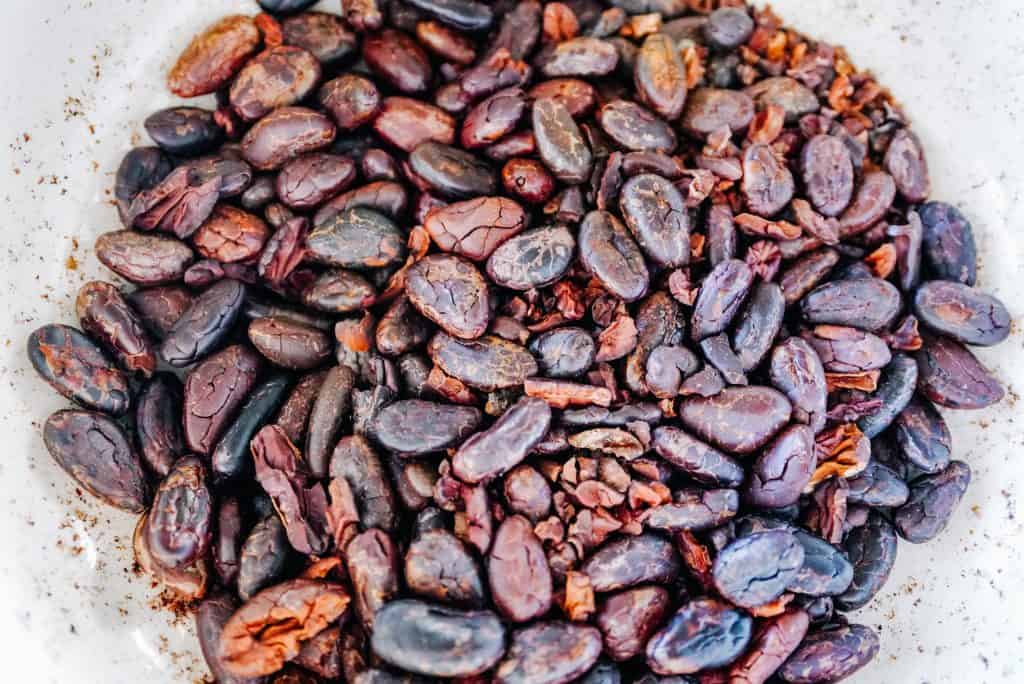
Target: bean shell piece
point(489, 454)
point(549, 653)
point(435, 641)
point(756, 569)
point(933, 500)
point(535, 258)
point(270, 628)
point(962, 313)
point(703, 635)
point(831, 655)
point(630, 561)
point(95, 451)
point(737, 419)
point(141, 169)
point(848, 350)
point(871, 549)
point(452, 293)
point(78, 369)
point(181, 202)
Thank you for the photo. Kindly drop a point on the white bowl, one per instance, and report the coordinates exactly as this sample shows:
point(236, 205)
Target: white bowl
point(76, 80)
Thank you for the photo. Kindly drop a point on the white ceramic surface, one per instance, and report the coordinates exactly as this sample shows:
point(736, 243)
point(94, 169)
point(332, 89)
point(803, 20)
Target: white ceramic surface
point(78, 76)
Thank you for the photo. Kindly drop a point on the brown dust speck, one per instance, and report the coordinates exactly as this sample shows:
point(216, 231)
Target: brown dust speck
point(73, 108)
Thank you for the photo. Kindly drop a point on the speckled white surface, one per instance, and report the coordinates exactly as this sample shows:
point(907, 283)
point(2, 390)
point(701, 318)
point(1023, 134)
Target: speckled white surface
point(78, 76)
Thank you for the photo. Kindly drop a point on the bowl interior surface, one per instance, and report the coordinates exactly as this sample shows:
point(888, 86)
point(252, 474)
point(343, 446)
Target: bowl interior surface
point(80, 76)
